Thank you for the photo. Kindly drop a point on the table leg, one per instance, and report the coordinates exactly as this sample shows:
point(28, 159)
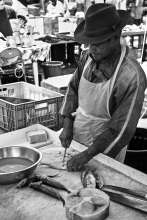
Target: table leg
point(35, 71)
point(48, 57)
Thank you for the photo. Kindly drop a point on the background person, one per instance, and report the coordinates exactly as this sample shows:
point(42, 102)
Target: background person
point(55, 8)
point(6, 13)
point(104, 98)
point(137, 12)
point(120, 4)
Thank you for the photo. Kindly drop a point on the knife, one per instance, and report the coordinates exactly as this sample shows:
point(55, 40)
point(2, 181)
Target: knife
point(126, 190)
point(67, 146)
point(64, 155)
point(126, 197)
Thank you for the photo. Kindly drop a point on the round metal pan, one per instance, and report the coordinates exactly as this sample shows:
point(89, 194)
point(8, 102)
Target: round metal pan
point(17, 162)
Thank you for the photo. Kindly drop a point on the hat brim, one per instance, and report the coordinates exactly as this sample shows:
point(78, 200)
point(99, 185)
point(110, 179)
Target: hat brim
point(81, 38)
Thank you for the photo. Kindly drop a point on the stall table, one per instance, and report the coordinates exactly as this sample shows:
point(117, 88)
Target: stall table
point(26, 203)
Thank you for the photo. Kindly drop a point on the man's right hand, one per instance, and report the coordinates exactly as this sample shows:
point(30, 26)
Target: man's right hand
point(66, 135)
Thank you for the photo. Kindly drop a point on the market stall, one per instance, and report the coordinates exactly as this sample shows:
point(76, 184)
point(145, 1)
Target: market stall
point(30, 119)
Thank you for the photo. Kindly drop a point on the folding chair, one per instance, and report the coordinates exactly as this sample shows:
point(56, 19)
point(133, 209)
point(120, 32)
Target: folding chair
point(11, 65)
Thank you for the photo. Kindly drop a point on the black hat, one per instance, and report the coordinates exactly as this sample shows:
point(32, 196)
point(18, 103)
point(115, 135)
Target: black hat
point(102, 21)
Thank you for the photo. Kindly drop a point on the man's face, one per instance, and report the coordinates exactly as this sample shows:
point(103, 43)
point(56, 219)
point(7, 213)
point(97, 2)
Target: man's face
point(54, 2)
point(102, 50)
point(2, 4)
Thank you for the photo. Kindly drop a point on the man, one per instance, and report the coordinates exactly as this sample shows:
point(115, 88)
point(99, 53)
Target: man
point(120, 4)
point(55, 7)
point(137, 12)
point(104, 98)
point(6, 13)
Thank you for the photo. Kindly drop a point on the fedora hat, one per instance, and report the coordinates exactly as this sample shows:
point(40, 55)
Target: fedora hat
point(102, 21)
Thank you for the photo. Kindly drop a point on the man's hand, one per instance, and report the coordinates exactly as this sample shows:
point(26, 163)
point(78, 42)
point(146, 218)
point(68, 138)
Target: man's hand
point(78, 161)
point(66, 135)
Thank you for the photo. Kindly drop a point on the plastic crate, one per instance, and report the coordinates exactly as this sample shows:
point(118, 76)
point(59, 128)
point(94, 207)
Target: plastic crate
point(23, 104)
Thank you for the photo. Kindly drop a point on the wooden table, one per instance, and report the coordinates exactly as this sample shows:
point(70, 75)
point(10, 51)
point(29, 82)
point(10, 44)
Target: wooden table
point(28, 204)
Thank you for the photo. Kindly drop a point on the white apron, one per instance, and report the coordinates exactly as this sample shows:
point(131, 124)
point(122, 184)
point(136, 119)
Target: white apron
point(92, 115)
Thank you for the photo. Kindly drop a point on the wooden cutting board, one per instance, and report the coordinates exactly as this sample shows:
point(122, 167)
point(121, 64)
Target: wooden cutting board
point(28, 204)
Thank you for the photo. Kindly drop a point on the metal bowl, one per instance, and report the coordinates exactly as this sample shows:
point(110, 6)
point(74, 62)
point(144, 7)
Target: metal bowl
point(17, 162)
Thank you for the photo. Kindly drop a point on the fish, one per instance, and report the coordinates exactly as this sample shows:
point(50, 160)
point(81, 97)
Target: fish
point(51, 182)
point(39, 186)
point(52, 166)
point(99, 179)
point(91, 179)
point(25, 182)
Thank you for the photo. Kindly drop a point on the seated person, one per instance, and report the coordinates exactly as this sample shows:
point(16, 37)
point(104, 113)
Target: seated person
point(22, 20)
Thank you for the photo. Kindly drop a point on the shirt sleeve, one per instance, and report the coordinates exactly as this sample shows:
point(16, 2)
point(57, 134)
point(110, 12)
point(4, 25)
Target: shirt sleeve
point(125, 108)
point(70, 102)
point(12, 13)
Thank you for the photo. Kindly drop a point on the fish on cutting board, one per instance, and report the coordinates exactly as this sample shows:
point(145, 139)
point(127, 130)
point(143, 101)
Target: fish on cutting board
point(51, 182)
point(26, 181)
point(39, 186)
point(44, 179)
point(87, 204)
point(53, 166)
point(91, 179)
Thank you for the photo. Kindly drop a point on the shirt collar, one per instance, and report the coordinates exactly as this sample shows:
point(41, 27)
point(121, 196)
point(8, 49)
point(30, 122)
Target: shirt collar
point(108, 65)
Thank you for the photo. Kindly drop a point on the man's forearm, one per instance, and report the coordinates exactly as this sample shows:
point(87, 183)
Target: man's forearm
point(68, 122)
point(93, 150)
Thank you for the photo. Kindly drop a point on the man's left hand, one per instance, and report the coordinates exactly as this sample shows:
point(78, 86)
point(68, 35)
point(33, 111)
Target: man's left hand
point(78, 161)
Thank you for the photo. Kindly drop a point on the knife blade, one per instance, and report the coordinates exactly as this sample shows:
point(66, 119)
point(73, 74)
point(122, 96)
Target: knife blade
point(64, 155)
point(66, 146)
point(132, 201)
point(137, 193)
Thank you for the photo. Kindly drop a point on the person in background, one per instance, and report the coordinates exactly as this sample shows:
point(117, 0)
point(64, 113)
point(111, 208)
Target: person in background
point(22, 20)
point(104, 98)
point(55, 8)
point(88, 3)
point(137, 12)
point(6, 13)
point(8, 2)
point(120, 4)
